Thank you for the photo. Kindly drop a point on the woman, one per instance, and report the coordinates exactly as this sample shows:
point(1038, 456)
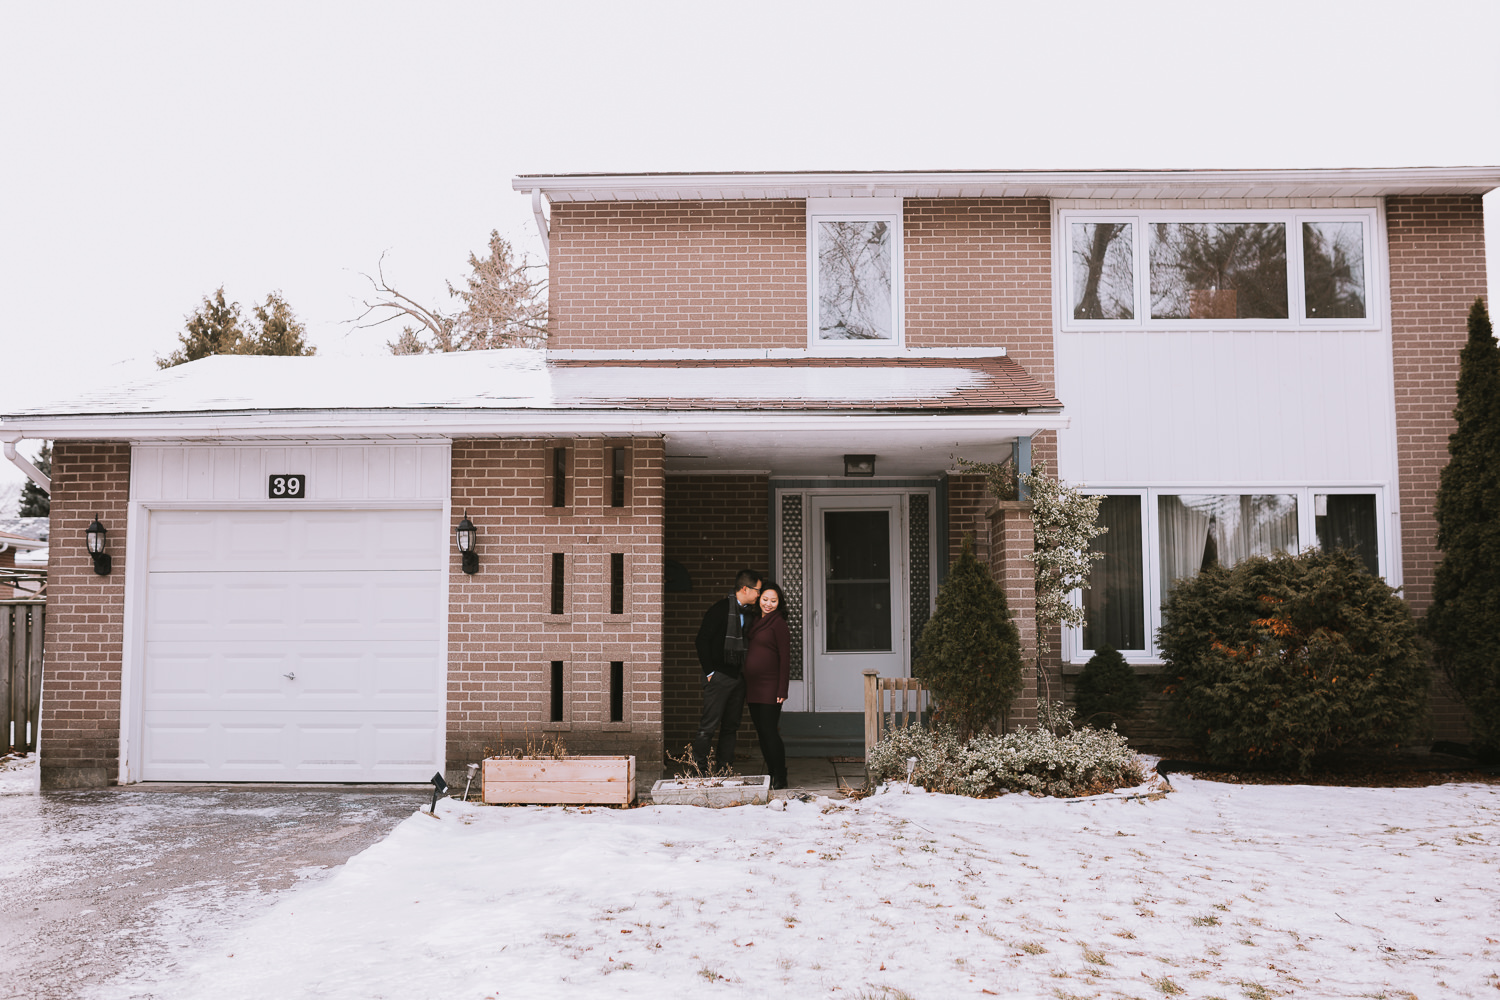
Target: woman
point(768, 671)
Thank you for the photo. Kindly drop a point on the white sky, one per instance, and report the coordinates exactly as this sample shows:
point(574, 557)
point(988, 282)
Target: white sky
point(151, 152)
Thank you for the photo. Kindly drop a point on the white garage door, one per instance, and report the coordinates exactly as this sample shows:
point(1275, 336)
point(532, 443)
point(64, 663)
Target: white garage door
point(298, 645)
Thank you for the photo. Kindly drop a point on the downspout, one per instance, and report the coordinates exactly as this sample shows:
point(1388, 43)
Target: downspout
point(32, 472)
point(541, 220)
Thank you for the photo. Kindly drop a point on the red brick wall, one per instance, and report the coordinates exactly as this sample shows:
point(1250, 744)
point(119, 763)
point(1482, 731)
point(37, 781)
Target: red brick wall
point(701, 274)
point(1012, 539)
point(979, 274)
point(502, 635)
point(1437, 270)
point(716, 526)
point(80, 728)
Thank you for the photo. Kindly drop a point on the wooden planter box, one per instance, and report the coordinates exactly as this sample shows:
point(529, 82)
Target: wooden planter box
point(753, 789)
point(568, 781)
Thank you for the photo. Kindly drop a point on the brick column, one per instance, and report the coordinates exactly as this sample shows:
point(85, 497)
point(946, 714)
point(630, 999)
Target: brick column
point(80, 726)
point(1010, 538)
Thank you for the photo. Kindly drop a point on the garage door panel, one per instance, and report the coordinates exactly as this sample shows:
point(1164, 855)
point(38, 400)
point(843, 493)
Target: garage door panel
point(364, 676)
point(246, 746)
point(303, 606)
point(296, 541)
point(293, 645)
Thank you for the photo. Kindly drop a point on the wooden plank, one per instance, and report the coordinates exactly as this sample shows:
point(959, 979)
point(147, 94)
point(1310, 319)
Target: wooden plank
point(872, 710)
point(583, 780)
point(559, 792)
point(7, 618)
point(34, 679)
point(567, 769)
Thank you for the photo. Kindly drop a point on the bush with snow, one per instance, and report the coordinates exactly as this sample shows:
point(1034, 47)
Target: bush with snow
point(1067, 762)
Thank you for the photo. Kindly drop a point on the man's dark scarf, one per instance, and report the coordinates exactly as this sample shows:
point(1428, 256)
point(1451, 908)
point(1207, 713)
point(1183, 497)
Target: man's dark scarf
point(734, 638)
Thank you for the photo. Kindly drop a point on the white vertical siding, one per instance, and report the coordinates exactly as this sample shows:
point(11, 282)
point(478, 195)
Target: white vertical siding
point(235, 472)
point(1200, 407)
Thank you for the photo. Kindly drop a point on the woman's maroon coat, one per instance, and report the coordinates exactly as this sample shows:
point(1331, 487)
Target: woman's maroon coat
point(768, 660)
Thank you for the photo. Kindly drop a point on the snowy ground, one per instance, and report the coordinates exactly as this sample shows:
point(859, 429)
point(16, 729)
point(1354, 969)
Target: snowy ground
point(1212, 891)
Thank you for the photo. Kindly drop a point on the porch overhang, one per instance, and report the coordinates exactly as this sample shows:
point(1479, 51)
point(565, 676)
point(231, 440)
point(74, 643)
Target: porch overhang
point(797, 415)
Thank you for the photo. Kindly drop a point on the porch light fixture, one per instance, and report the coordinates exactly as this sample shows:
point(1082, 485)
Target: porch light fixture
point(859, 465)
point(94, 535)
point(465, 535)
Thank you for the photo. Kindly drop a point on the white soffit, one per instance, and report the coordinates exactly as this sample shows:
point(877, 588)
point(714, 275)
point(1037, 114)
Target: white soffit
point(1358, 182)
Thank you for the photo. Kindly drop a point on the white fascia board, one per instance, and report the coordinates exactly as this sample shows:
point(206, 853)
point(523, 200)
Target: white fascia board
point(314, 424)
point(1340, 182)
point(772, 353)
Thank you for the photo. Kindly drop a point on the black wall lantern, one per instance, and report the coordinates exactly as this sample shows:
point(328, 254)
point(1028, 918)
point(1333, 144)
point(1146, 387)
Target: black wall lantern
point(95, 534)
point(465, 534)
point(859, 465)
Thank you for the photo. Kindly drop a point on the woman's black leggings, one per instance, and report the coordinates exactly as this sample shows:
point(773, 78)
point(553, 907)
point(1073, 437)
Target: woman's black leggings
point(767, 719)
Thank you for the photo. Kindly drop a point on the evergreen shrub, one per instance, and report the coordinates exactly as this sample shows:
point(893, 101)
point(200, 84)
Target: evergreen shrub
point(1108, 687)
point(969, 653)
point(1464, 619)
point(1278, 660)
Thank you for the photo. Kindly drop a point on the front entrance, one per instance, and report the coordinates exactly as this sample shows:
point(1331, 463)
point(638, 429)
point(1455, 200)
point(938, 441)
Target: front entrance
point(856, 596)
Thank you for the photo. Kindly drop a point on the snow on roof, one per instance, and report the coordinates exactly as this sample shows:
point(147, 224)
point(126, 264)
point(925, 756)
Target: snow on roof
point(529, 380)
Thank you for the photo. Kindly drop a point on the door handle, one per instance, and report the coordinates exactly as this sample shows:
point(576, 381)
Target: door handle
point(291, 676)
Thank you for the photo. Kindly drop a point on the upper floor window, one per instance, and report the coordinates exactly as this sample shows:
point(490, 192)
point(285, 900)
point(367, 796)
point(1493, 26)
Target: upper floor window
point(854, 271)
point(1218, 269)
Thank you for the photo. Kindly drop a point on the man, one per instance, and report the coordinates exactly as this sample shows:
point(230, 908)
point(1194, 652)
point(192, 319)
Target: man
point(721, 654)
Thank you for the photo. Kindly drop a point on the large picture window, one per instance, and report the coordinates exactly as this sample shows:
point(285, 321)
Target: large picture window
point(854, 265)
point(1217, 269)
point(1159, 537)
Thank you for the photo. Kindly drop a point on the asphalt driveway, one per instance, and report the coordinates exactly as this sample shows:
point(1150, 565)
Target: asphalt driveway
point(102, 885)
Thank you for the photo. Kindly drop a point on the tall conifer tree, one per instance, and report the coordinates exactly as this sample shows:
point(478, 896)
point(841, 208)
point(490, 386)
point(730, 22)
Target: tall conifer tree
point(1464, 620)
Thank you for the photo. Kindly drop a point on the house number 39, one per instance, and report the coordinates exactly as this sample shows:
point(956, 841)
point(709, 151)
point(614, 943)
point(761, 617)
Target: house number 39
point(287, 487)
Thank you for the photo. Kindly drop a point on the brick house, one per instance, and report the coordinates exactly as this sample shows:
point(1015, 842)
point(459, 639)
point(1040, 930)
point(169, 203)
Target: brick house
point(769, 370)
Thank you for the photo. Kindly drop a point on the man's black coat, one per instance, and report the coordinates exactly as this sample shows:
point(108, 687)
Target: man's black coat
point(710, 641)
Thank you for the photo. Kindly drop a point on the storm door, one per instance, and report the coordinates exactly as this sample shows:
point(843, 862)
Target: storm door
point(857, 596)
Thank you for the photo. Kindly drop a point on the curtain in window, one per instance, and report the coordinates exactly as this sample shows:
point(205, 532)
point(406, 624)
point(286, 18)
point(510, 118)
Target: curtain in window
point(1200, 530)
point(1114, 602)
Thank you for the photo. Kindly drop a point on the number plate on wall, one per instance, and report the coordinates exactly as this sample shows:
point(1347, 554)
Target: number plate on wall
point(284, 487)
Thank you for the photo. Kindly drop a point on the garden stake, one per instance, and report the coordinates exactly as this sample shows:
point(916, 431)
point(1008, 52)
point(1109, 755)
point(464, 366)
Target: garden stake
point(472, 769)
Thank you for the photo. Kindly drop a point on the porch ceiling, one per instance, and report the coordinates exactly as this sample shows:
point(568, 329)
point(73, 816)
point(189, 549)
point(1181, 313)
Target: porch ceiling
point(904, 453)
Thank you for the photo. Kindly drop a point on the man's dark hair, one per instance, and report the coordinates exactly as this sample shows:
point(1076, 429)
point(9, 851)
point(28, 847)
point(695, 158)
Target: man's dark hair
point(747, 578)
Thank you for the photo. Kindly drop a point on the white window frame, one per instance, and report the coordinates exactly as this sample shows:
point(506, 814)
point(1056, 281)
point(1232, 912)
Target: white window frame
point(1292, 219)
point(1073, 650)
point(887, 210)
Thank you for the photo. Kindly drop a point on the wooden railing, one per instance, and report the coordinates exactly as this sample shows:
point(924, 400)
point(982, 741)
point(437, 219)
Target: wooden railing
point(22, 625)
point(892, 703)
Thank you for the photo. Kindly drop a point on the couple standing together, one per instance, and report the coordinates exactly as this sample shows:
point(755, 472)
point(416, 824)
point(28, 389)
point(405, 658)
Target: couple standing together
point(745, 650)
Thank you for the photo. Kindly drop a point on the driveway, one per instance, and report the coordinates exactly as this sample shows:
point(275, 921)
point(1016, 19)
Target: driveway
point(107, 883)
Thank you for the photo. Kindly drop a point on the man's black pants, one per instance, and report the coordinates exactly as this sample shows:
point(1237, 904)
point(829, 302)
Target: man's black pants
point(723, 707)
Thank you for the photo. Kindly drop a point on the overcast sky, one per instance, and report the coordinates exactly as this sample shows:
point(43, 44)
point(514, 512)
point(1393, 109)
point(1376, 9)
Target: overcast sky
point(152, 152)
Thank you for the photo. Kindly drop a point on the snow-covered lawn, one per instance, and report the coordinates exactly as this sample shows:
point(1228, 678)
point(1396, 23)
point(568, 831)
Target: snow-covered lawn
point(1215, 890)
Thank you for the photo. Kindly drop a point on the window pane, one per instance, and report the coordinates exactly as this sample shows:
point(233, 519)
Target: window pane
point(1333, 268)
point(1218, 270)
point(1198, 531)
point(857, 571)
point(1114, 602)
point(1347, 521)
point(1103, 270)
point(854, 281)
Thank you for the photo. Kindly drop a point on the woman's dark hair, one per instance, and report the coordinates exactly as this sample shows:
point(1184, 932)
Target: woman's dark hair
point(780, 594)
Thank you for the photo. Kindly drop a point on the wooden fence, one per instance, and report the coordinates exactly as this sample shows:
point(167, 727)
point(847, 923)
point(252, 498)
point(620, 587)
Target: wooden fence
point(22, 625)
point(892, 703)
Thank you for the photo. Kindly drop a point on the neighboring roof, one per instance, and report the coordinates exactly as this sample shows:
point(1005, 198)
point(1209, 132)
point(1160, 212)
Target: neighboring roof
point(247, 392)
point(1353, 182)
point(31, 528)
point(12, 540)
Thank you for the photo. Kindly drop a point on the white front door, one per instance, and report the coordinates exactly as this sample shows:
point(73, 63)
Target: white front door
point(857, 595)
point(293, 645)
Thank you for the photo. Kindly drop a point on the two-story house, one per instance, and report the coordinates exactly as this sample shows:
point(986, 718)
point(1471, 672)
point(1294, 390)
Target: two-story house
point(775, 371)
